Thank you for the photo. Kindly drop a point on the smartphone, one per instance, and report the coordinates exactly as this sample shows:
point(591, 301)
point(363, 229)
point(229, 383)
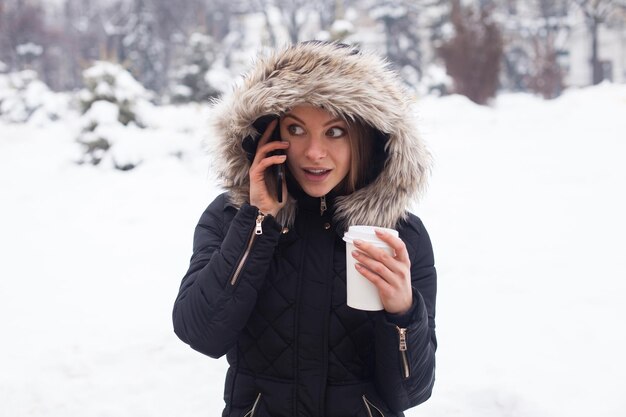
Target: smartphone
point(278, 171)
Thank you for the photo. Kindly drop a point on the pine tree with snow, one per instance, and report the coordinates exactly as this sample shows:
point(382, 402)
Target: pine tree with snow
point(110, 82)
point(24, 98)
point(143, 48)
point(110, 100)
point(409, 28)
point(193, 81)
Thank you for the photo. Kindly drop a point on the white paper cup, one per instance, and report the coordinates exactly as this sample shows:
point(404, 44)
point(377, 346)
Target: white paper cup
point(361, 293)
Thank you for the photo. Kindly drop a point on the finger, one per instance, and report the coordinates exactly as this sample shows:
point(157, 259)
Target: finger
point(375, 252)
point(259, 169)
point(268, 132)
point(398, 266)
point(397, 244)
point(375, 279)
point(265, 149)
point(373, 265)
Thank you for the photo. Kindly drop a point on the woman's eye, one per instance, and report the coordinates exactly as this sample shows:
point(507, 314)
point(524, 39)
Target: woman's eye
point(295, 130)
point(336, 132)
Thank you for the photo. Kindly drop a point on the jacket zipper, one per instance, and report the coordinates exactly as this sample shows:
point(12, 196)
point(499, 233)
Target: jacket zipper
point(368, 403)
point(258, 230)
point(253, 410)
point(402, 348)
point(323, 206)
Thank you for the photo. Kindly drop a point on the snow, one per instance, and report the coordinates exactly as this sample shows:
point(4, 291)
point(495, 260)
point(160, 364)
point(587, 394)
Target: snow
point(29, 48)
point(525, 211)
point(111, 81)
point(23, 97)
point(342, 26)
point(435, 79)
point(390, 11)
point(219, 78)
point(101, 112)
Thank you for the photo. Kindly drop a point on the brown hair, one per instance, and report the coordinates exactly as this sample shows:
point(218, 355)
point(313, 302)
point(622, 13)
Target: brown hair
point(361, 138)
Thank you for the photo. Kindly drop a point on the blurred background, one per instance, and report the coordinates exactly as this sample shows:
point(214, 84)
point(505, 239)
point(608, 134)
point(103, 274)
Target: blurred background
point(190, 50)
point(104, 172)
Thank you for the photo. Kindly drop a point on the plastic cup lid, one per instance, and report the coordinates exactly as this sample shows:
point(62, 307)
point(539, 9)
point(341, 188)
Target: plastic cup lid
point(367, 233)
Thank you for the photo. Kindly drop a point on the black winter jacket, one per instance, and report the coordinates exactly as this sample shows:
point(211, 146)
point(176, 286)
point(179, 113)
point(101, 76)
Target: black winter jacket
point(275, 303)
point(270, 293)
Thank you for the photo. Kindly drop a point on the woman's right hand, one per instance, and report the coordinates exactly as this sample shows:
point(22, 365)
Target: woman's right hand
point(260, 196)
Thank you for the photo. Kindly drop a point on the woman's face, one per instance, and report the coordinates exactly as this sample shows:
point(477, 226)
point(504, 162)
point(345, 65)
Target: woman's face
point(319, 148)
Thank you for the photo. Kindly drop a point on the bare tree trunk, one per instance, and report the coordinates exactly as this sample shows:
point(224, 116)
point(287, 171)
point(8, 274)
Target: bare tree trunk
point(389, 40)
point(597, 13)
point(294, 29)
point(596, 67)
point(270, 28)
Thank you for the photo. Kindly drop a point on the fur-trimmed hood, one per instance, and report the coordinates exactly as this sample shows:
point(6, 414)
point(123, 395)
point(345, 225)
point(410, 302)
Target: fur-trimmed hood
point(345, 82)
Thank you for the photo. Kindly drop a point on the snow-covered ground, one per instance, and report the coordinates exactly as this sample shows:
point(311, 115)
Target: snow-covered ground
point(526, 213)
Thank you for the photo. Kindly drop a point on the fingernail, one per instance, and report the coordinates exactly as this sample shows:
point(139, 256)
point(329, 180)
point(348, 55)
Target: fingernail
point(357, 242)
point(356, 253)
point(380, 232)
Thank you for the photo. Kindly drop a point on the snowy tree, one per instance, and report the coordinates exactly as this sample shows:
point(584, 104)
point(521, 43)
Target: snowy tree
point(300, 19)
point(295, 14)
point(105, 81)
point(171, 21)
point(94, 138)
point(473, 54)
point(190, 80)
point(25, 98)
point(80, 39)
point(339, 30)
point(111, 100)
point(28, 53)
point(536, 32)
point(150, 37)
point(143, 48)
point(22, 34)
point(402, 40)
point(410, 29)
point(598, 13)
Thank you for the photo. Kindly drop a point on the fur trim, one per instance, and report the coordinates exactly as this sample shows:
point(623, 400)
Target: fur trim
point(344, 82)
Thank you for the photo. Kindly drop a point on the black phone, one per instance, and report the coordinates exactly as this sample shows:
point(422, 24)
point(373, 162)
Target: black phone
point(279, 169)
point(250, 145)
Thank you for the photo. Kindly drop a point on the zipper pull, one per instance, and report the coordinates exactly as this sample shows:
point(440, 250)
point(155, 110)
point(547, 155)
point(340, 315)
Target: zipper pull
point(258, 229)
point(403, 354)
point(402, 333)
point(323, 205)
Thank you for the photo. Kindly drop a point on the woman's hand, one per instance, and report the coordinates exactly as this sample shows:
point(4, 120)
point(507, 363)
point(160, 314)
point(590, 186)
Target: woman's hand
point(390, 273)
point(260, 196)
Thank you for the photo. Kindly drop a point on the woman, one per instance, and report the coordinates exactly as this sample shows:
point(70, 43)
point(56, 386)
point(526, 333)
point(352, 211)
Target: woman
point(266, 283)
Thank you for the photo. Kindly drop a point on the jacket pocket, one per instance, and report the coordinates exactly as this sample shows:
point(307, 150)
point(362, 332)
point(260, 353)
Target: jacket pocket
point(372, 410)
point(254, 408)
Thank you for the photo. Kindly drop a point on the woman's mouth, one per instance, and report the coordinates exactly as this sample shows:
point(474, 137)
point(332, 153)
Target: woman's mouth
point(316, 174)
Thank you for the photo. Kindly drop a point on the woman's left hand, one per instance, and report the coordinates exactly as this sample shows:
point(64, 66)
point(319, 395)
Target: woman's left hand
point(390, 273)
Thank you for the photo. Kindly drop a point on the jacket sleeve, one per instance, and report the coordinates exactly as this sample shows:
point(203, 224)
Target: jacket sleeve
point(212, 307)
point(406, 344)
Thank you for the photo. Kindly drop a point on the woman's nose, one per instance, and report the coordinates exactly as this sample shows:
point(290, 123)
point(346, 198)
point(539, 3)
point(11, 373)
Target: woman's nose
point(315, 149)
